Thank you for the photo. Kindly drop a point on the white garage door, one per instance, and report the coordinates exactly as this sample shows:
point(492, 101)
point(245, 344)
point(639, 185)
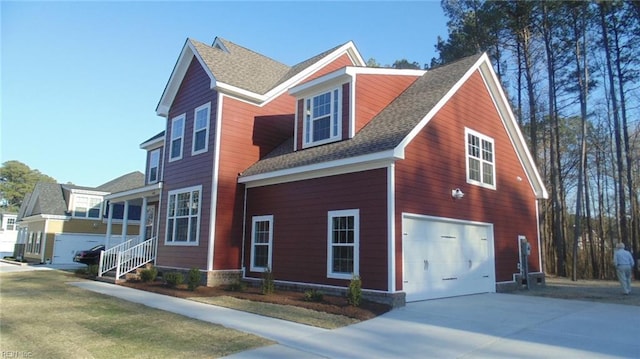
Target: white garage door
point(445, 258)
point(67, 244)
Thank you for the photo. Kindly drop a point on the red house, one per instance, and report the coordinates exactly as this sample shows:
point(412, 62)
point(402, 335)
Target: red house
point(418, 182)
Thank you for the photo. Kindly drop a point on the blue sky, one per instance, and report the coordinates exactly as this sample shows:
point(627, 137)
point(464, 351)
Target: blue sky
point(80, 81)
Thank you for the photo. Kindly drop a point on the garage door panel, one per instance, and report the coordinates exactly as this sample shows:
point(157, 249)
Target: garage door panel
point(444, 258)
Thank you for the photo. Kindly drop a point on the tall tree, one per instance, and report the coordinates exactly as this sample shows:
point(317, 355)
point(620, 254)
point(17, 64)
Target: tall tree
point(16, 180)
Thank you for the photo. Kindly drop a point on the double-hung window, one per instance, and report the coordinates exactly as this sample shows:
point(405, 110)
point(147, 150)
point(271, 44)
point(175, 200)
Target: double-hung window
point(86, 206)
point(261, 243)
point(183, 216)
point(343, 244)
point(481, 169)
point(322, 122)
point(201, 129)
point(177, 137)
point(154, 165)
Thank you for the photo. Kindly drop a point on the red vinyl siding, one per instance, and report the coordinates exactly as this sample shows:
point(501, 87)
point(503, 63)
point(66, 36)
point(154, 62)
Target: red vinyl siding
point(190, 170)
point(435, 163)
point(300, 211)
point(375, 92)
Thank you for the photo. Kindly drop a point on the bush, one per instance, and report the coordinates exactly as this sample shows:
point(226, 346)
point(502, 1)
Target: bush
point(93, 270)
point(149, 274)
point(354, 292)
point(193, 279)
point(237, 286)
point(173, 279)
point(313, 295)
point(268, 286)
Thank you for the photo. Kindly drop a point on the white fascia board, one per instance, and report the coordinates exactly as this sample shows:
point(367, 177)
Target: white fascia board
point(325, 169)
point(177, 75)
point(88, 192)
point(513, 129)
point(153, 144)
point(146, 191)
point(425, 120)
point(40, 217)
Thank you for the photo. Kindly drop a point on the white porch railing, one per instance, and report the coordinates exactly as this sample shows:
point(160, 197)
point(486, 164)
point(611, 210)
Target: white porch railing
point(128, 258)
point(108, 257)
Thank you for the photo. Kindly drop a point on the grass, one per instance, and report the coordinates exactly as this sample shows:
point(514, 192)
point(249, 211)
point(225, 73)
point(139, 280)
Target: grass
point(286, 312)
point(43, 317)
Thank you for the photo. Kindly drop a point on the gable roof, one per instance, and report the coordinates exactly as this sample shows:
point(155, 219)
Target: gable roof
point(50, 199)
point(244, 73)
point(385, 137)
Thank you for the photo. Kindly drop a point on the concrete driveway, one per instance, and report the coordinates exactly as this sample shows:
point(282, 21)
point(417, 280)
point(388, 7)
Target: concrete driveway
point(479, 326)
point(476, 326)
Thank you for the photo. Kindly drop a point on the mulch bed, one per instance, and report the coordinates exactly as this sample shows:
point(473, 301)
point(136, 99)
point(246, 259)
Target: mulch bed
point(329, 304)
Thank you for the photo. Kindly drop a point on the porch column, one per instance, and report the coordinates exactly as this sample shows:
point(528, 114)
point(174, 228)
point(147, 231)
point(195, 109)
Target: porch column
point(109, 224)
point(143, 220)
point(125, 220)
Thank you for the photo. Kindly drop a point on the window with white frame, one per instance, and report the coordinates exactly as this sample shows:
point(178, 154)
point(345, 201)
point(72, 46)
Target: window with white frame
point(86, 206)
point(201, 129)
point(37, 245)
point(343, 243)
point(481, 169)
point(177, 138)
point(183, 216)
point(154, 165)
point(322, 121)
point(261, 242)
point(11, 224)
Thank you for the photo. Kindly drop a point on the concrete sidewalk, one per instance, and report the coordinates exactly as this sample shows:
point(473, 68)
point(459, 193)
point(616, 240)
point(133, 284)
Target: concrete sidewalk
point(476, 326)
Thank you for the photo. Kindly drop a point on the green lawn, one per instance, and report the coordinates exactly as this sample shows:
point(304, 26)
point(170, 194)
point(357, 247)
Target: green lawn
point(43, 317)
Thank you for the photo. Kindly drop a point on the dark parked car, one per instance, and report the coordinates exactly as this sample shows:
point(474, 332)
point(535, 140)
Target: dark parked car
point(90, 256)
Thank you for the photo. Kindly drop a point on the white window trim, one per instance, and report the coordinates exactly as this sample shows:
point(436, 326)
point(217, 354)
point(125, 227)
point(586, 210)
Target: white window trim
point(267, 218)
point(173, 137)
point(198, 221)
point(482, 137)
point(157, 166)
point(74, 198)
point(308, 109)
point(356, 243)
point(206, 106)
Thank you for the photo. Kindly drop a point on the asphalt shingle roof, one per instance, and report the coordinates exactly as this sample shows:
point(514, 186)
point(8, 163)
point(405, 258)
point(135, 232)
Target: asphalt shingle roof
point(248, 69)
point(123, 183)
point(385, 131)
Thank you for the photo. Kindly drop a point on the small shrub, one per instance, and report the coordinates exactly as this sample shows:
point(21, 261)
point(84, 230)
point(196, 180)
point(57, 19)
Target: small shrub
point(354, 292)
point(173, 279)
point(313, 295)
point(237, 286)
point(81, 271)
point(193, 279)
point(149, 274)
point(268, 286)
point(93, 270)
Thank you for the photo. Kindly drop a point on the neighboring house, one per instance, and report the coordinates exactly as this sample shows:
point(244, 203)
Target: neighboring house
point(418, 182)
point(8, 233)
point(56, 220)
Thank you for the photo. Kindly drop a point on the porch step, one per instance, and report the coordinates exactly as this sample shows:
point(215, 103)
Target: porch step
point(110, 277)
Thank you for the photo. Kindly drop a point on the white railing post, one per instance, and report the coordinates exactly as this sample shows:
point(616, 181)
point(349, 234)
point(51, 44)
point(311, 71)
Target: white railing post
point(118, 265)
point(100, 264)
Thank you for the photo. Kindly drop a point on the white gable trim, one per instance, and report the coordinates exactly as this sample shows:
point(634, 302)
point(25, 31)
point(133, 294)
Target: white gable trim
point(483, 65)
point(177, 75)
point(189, 50)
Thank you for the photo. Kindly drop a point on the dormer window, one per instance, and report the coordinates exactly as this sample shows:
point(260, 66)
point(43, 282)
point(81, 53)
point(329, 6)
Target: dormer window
point(322, 121)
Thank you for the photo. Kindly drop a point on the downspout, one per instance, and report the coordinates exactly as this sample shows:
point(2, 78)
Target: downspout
point(244, 229)
point(539, 239)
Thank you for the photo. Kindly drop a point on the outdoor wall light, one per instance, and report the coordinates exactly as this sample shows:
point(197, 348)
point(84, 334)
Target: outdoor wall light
point(457, 193)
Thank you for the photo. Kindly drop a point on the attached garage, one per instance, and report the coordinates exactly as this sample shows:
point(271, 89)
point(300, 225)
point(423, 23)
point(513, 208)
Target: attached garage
point(446, 257)
point(67, 244)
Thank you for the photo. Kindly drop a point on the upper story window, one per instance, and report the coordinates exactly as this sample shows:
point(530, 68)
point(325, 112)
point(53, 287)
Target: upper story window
point(201, 129)
point(177, 138)
point(154, 165)
point(86, 206)
point(322, 121)
point(481, 169)
point(11, 224)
